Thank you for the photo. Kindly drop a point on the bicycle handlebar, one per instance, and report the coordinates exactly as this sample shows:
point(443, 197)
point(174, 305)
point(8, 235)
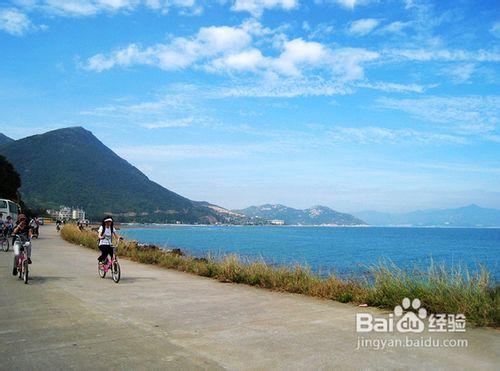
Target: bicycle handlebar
point(20, 237)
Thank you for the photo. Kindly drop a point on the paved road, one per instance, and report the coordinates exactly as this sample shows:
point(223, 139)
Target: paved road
point(69, 318)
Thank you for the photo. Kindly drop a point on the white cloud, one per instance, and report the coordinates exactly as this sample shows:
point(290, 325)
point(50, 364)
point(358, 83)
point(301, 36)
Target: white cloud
point(363, 27)
point(466, 168)
point(84, 8)
point(393, 87)
point(350, 4)
point(156, 110)
point(171, 152)
point(285, 88)
point(396, 27)
point(123, 57)
point(347, 3)
point(214, 40)
point(380, 135)
point(286, 141)
point(165, 5)
point(426, 55)
point(14, 22)
point(257, 7)
point(493, 138)
point(226, 49)
point(474, 115)
point(179, 53)
point(80, 8)
point(247, 60)
point(299, 52)
point(495, 29)
point(461, 73)
point(348, 63)
point(175, 123)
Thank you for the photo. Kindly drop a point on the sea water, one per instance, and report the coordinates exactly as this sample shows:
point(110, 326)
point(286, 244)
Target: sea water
point(345, 251)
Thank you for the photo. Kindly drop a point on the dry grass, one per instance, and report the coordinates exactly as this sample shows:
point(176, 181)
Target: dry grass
point(441, 290)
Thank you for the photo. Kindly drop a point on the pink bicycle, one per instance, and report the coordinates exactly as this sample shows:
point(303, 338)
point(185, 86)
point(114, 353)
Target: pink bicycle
point(113, 265)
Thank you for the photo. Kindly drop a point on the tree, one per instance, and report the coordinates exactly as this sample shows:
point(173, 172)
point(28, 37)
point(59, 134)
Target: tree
point(10, 181)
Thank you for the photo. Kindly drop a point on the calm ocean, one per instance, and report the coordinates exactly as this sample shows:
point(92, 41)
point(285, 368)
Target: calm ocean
point(342, 250)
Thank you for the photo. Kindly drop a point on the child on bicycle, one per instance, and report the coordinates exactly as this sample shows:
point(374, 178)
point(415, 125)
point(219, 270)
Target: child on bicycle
point(3, 228)
point(23, 230)
point(8, 226)
point(106, 233)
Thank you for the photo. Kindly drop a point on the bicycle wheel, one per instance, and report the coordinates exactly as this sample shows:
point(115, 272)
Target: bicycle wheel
point(5, 245)
point(25, 271)
point(20, 270)
point(100, 270)
point(116, 272)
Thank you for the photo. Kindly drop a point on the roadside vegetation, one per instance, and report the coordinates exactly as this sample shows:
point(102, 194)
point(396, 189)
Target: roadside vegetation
point(440, 289)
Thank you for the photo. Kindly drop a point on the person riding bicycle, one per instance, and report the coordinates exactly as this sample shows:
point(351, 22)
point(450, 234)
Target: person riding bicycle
point(106, 233)
point(34, 225)
point(3, 226)
point(22, 231)
point(8, 226)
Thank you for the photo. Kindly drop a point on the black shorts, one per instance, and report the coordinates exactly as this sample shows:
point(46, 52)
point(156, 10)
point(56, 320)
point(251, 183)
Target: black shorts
point(105, 251)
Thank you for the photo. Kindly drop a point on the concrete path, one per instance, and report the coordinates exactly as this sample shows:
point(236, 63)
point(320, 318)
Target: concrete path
point(68, 318)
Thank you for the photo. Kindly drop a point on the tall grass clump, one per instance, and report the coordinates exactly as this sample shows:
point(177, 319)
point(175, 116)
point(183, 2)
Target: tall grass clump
point(441, 289)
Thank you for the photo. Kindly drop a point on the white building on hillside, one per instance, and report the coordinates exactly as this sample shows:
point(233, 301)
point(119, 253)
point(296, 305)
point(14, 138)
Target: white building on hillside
point(64, 213)
point(68, 213)
point(78, 214)
point(277, 222)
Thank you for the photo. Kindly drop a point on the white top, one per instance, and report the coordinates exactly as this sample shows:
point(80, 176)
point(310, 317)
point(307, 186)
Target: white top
point(107, 236)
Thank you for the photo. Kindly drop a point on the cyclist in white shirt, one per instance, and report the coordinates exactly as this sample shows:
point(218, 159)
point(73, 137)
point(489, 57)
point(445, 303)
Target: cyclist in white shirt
point(106, 233)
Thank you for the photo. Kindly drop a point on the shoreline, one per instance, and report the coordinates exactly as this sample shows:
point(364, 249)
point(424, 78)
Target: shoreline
point(446, 290)
point(159, 226)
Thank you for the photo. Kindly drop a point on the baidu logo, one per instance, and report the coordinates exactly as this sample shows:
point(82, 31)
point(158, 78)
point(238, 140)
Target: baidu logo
point(410, 321)
point(403, 319)
point(409, 318)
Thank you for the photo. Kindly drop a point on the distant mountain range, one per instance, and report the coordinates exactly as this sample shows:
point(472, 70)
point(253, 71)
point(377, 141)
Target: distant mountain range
point(468, 216)
point(72, 167)
point(317, 215)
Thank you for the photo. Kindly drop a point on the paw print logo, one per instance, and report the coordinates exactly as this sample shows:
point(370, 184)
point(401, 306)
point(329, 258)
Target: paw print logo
point(410, 321)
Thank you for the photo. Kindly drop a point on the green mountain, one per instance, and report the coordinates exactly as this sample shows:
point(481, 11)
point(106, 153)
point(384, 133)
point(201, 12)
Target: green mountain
point(467, 216)
point(5, 139)
point(72, 167)
point(317, 215)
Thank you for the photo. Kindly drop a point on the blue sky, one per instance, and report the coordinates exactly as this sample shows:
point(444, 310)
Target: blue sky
point(354, 104)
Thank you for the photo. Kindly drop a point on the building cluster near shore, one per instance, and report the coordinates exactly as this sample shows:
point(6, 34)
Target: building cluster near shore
point(277, 222)
point(68, 213)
